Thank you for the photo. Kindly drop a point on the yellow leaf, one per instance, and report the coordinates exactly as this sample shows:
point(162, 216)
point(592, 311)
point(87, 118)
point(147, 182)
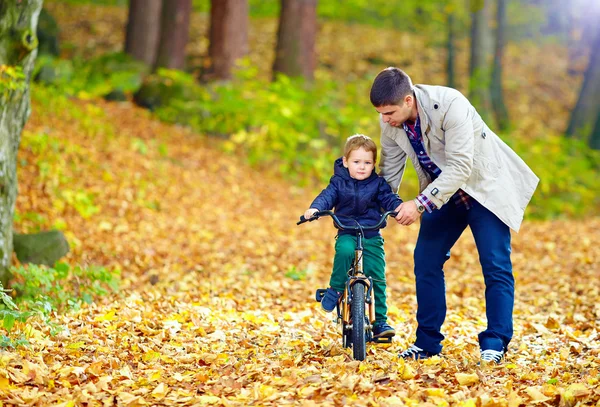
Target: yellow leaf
point(468, 403)
point(109, 316)
point(267, 391)
point(514, 400)
point(76, 345)
point(436, 392)
point(573, 392)
point(209, 399)
point(160, 391)
point(536, 395)
point(466, 379)
point(4, 383)
point(154, 376)
point(151, 356)
point(408, 372)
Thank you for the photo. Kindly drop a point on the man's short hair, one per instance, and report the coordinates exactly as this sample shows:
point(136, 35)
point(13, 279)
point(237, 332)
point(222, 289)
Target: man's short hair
point(360, 141)
point(390, 87)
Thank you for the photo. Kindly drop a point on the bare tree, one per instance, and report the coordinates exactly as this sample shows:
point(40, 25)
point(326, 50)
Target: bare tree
point(451, 51)
point(295, 52)
point(174, 31)
point(583, 117)
point(143, 30)
point(18, 49)
point(228, 35)
point(595, 137)
point(500, 111)
point(479, 69)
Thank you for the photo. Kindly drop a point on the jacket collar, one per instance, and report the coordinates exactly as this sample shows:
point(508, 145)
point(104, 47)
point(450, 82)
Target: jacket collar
point(422, 97)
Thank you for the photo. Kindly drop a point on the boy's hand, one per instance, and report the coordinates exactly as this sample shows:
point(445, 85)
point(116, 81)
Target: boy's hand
point(310, 212)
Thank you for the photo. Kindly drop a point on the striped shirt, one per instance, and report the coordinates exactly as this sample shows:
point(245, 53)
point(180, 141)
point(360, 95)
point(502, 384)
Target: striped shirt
point(413, 130)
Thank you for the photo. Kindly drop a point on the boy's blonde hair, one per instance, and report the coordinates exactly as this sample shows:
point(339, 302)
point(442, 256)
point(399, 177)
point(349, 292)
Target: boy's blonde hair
point(360, 141)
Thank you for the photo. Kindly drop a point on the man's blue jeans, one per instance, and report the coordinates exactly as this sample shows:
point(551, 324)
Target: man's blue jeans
point(439, 231)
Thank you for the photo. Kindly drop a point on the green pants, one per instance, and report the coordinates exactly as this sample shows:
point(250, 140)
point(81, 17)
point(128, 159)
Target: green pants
point(373, 265)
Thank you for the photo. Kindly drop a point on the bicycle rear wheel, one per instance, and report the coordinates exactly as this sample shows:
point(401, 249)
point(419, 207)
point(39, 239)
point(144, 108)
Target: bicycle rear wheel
point(357, 311)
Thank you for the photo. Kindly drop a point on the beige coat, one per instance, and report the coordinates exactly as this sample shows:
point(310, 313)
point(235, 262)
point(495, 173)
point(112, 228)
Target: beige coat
point(469, 154)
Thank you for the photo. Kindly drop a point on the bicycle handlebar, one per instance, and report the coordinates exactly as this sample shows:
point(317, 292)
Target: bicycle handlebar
point(340, 225)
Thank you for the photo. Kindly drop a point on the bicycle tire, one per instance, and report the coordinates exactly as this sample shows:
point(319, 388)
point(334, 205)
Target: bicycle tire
point(357, 310)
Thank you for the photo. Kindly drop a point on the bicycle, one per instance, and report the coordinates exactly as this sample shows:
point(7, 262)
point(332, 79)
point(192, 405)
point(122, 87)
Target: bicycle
point(356, 307)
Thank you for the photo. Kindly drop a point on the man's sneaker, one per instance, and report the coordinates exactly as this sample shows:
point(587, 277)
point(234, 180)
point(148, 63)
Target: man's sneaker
point(492, 356)
point(330, 299)
point(383, 330)
point(414, 352)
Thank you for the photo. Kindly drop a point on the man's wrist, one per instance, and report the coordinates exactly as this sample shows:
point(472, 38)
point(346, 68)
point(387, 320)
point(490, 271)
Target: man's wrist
point(429, 206)
point(420, 206)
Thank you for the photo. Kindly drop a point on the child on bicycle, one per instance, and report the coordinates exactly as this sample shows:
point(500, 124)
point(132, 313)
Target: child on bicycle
point(356, 191)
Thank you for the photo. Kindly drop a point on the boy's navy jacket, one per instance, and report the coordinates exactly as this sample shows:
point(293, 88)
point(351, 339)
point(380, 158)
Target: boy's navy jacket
point(356, 199)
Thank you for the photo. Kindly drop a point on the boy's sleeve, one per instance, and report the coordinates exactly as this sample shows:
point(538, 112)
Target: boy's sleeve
point(327, 199)
point(386, 198)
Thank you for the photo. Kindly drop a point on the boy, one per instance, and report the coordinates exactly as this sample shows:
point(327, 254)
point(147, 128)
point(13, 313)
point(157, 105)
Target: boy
point(356, 191)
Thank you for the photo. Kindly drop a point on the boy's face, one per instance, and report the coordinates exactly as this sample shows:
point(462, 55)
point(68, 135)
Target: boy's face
point(360, 163)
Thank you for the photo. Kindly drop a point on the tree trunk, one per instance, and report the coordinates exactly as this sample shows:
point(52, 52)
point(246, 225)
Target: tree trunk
point(451, 52)
point(583, 117)
point(174, 29)
point(143, 30)
point(479, 69)
point(498, 105)
point(595, 137)
point(228, 36)
point(18, 49)
point(295, 52)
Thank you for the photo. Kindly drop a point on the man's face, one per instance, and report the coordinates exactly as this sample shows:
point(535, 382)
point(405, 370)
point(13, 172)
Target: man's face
point(395, 115)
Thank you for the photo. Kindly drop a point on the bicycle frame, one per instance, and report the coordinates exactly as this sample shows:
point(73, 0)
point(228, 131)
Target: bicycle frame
point(355, 276)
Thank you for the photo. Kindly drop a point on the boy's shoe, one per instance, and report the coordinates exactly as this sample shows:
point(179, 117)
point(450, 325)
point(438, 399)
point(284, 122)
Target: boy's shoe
point(330, 299)
point(491, 356)
point(383, 330)
point(414, 352)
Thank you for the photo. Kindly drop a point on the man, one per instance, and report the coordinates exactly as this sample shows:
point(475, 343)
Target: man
point(467, 176)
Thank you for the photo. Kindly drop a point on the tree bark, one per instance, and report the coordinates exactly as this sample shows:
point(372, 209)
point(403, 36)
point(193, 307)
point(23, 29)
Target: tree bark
point(595, 137)
point(228, 36)
point(583, 117)
point(143, 30)
point(451, 52)
point(479, 69)
point(295, 53)
point(174, 30)
point(500, 111)
point(18, 49)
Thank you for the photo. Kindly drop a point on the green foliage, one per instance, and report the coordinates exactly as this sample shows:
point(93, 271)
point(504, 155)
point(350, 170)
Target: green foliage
point(44, 290)
point(297, 127)
point(296, 274)
point(12, 78)
point(568, 172)
point(300, 129)
point(63, 286)
point(101, 76)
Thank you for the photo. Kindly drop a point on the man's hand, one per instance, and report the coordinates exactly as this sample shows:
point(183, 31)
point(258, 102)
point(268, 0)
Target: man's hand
point(407, 213)
point(309, 213)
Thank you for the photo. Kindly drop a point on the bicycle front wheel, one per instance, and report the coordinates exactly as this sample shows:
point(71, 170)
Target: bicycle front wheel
point(357, 310)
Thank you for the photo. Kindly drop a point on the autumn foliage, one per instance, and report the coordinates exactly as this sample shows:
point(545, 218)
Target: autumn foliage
point(216, 301)
point(216, 305)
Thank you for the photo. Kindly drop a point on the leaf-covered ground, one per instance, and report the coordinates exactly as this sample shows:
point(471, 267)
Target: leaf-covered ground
point(216, 305)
